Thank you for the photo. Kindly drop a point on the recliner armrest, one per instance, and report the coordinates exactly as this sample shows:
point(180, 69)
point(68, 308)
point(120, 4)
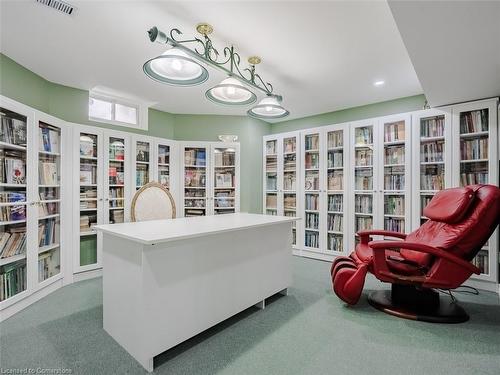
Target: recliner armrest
point(365, 234)
point(383, 245)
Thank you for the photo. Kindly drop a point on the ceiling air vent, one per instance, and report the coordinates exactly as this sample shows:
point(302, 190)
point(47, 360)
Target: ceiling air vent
point(58, 5)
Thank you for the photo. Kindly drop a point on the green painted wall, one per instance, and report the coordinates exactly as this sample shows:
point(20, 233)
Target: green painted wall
point(249, 131)
point(410, 103)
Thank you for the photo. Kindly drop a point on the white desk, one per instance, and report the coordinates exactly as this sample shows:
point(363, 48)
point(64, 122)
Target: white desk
point(165, 281)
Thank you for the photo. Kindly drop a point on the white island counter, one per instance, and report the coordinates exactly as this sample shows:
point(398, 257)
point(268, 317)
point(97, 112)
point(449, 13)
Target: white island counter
point(165, 281)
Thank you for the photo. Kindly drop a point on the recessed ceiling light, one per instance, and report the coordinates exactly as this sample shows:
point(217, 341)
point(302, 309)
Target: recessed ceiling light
point(378, 83)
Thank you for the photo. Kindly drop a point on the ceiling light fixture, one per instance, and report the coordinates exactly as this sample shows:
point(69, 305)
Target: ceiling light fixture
point(379, 83)
point(183, 66)
point(268, 108)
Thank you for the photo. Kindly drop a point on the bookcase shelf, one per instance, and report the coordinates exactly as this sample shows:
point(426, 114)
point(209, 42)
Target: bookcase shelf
point(10, 146)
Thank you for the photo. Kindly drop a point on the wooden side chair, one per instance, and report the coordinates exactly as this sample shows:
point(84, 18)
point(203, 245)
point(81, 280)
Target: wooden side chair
point(152, 202)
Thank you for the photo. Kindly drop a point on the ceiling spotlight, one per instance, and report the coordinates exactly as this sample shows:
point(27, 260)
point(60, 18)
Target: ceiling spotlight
point(231, 92)
point(379, 83)
point(175, 67)
point(268, 108)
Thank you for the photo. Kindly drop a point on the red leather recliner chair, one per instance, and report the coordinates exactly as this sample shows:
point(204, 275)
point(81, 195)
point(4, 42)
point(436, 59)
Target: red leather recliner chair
point(435, 256)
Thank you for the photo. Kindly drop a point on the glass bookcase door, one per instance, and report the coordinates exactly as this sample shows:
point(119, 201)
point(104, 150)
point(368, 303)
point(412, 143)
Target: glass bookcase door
point(224, 180)
point(335, 167)
point(432, 155)
point(477, 157)
point(289, 160)
point(13, 203)
point(395, 171)
point(163, 163)
point(363, 178)
point(116, 180)
point(49, 204)
point(271, 177)
point(142, 163)
point(195, 181)
point(312, 191)
point(89, 204)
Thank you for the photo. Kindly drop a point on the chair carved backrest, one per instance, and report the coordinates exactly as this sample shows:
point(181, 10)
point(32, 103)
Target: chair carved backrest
point(152, 202)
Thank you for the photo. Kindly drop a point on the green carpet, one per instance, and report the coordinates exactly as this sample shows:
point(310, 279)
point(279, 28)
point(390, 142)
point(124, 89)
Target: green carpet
point(308, 332)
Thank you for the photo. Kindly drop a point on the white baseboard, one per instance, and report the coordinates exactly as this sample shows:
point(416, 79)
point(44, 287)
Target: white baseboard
point(86, 275)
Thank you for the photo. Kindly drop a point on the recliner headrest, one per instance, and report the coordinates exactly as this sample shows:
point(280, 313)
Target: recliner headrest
point(450, 205)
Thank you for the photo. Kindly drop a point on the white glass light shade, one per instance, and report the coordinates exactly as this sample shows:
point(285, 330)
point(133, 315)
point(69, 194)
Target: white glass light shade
point(231, 92)
point(268, 108)
point(175, 67)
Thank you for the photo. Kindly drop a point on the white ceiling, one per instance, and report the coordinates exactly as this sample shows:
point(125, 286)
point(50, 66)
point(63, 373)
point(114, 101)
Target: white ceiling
point(454, 46)
point(321, 56)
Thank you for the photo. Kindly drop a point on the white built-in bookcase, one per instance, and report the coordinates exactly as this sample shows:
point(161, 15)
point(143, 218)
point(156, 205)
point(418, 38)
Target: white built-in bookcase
point(95, 173)
point(392, 166)
point(210, 182)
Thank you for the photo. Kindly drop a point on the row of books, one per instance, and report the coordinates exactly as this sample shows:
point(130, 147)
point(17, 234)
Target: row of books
point(85, 205)
point(13, 242)
point(290, 201)
point(335, 223)
point(432, 127)
point(13, 213)
point(471, 149)
point(335, 139)
point(312, 202)
point(394, 182)
point(116, 216)
point(141, 175)
point(311, 181)
point(311, 239)
point(194, 203)
point(289, 162)
point(424, 201)
point(48, 193)
point(364, 157)
point(194, 193)
point(289, 144)
point(194, 212)
point(363, 223)
point(226, 179)
point(224, 203)
point(12, 167)
point(271, 201)
point(335, 180)
point(272, 212)
point(87, 221)
point(116, 175)
point(88, 173)
point(48, 232)
point(311, 142)
point(335, 159)
point(394, 205)
point(335, 242)
point(194, 178)
point(195, 156)
point(224, 193)
point(271, 163)
point(432, 181)
point(394, 224)
point(86, 193)
point(432, 151)
point(49, 265)
point(289, 181)
point(142, 152)
point(49, 139)
point(394, 131)
point(164, 176)
point(271, 182)
point(474, 121)
point(363, 179)
point(116, 149)
point(481, 261)
point(117, 203)
point(12, 196)
point(335, 203)
point(12, 280)
point(363, 204)
point(311, 160)
point(363, 136)
point(88, 145)
point(48, 208)
point(394, 155)
point(13, 131)
point(116, 192)
point(271, 147)
point(311, 220)
point(48, 173)
point(163, 154)
point(473, 178)
point(224, 158)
